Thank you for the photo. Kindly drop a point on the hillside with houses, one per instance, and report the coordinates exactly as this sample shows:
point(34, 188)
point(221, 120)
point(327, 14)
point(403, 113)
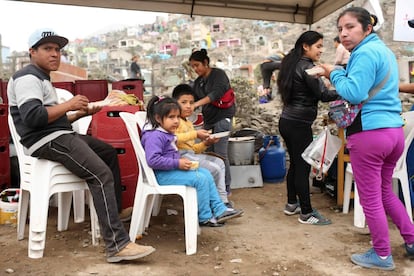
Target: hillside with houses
point(236, 45)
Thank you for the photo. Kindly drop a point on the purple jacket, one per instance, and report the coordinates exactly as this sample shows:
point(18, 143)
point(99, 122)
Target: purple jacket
point(160, 149)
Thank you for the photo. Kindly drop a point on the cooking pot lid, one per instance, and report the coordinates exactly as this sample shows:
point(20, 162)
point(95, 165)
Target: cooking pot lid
point(241, 139)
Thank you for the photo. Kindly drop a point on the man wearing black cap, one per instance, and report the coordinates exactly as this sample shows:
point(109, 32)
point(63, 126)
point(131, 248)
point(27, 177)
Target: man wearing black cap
point(46, 132)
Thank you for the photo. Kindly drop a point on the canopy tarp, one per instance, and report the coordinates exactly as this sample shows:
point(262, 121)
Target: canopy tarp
point(293, 11)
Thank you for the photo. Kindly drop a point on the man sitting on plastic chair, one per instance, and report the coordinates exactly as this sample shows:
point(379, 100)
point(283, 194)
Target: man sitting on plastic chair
point(46, 132)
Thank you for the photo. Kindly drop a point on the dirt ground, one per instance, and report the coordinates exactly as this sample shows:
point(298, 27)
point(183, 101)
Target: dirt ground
point(262, 242)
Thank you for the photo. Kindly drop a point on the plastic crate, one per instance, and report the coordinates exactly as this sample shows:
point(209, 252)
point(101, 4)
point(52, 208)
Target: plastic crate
point(4, 182)
point(4, 164)
point(135, 87)
point(4, 129)
point(129, 186)
point(106, 124)
point(126, 156)
point(95, 90)
point(67, 85)
point(3, 91)
point(129, 170)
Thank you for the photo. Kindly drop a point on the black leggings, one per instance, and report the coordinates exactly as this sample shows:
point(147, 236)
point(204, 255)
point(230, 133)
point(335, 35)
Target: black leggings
point(297, 136)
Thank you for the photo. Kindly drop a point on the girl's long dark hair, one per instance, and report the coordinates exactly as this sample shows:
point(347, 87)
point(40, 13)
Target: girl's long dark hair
point(288, 66)
point(160, 107)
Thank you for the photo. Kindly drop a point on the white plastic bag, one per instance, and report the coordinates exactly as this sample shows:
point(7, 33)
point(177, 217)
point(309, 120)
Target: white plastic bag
point(321, 153)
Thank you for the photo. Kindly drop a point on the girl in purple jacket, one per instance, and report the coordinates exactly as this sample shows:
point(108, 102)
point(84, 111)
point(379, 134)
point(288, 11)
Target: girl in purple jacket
point(159, 142)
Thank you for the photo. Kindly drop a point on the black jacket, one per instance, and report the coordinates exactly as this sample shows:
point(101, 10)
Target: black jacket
point(306, 93)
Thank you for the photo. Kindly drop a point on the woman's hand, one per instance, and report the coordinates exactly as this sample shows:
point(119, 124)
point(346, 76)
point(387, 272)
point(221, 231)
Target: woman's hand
point(328, 68)
point(201, 102)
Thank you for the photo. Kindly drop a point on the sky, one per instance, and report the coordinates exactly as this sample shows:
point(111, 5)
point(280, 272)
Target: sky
point(19, 19)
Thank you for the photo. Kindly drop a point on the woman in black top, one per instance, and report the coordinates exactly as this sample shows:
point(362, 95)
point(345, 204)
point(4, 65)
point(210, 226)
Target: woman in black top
point(300, 94)
point(210, 86)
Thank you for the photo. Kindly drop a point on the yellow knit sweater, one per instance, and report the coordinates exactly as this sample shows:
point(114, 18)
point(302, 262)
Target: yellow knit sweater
point(186, 137)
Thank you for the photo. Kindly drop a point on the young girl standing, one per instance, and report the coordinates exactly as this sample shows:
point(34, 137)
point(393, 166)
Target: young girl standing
point(159, 142)
point(300, 95)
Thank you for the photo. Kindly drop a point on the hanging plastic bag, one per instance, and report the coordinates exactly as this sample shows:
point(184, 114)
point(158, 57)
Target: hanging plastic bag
point(321, 153)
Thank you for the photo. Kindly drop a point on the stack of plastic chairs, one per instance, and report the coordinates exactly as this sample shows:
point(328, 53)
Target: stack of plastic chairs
point(39, 180)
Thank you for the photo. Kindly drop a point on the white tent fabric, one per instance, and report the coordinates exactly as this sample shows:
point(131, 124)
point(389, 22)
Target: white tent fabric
point(293, 11)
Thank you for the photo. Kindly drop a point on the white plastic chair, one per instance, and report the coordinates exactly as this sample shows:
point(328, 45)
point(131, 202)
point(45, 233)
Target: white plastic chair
point(359, 217)
point(400, 175)
point(39, 179)
point(157, 199)
point(148, 186)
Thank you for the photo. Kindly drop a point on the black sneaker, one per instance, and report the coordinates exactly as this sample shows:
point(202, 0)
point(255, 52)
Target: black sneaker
point(229, 204)
point(314, 218)
point(409, 249)
point(211, 223)
point(229, 214)
point(292, 209)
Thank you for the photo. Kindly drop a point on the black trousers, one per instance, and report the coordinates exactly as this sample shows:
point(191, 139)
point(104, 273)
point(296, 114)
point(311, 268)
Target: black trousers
point(97, 163)
point(297, 136)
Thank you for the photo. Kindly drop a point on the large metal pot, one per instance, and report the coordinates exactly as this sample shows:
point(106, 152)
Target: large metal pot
point(241, 150)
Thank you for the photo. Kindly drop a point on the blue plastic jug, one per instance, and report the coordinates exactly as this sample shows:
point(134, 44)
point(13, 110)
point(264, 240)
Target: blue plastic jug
point(272, 157)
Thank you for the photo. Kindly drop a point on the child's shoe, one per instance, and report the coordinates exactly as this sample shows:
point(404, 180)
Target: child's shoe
point(211, 223)
point(229, 214)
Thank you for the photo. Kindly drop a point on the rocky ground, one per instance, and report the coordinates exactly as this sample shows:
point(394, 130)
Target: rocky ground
point(262, 242)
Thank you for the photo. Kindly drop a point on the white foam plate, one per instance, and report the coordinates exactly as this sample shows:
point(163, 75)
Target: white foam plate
point(241, 139)
point(314, 71)
point(220, 134)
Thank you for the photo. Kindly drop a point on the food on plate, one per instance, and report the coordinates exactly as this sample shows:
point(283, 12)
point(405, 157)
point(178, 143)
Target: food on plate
point(194, 165)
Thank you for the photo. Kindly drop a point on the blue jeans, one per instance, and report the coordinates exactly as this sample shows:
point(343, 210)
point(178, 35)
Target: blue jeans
point(209, 202)
point(214, 165)
point(90, 159)
point(221, 146)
